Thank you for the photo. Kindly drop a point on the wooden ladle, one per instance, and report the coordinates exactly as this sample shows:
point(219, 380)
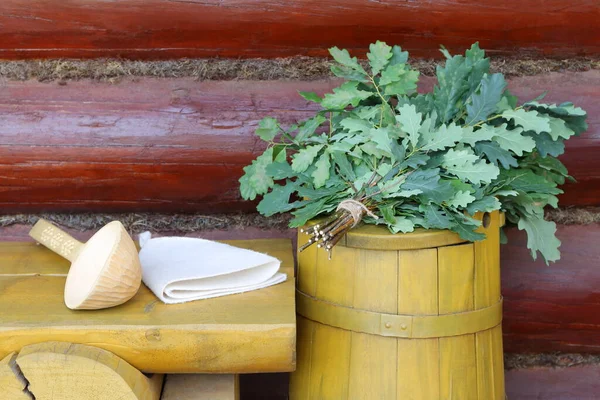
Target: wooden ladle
point(105, 271)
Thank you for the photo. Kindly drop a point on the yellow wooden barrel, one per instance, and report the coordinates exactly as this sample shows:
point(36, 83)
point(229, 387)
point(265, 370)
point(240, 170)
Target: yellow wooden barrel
point(408, 317)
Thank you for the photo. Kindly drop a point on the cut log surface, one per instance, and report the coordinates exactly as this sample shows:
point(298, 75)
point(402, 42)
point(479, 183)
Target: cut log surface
point(201, 387)
point(243, 333)
point(267, 28)
point(12, 382)
point(67, 371)
point(180, 145)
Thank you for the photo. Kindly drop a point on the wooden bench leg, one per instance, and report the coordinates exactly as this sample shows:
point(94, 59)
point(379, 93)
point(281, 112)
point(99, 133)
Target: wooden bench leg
point(58, 370)
point(201, 387)
point(13, 385)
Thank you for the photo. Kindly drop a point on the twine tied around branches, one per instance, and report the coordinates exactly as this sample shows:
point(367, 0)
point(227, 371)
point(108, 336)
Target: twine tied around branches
point(356, 209)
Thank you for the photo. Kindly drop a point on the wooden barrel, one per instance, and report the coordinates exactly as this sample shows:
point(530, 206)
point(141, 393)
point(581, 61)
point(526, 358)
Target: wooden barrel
point(410, 317)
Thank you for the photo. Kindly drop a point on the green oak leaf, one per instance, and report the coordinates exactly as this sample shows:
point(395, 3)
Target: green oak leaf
point(387, 211)
point(309, 127)
point(393, 73)
point(405, 85)
point(559, 129)
point(260, 180)
point(529, 120)
point(368, 113)
point(465, 227)
point(484, 103)
point(512, 140)
point(435, 217)
point(452, 85)
point(541, 236)
point(310, 96)
point(415, 161)
point(398, 56)
point(280, 170)
point(410, 122)
point(467, 166)
point(372, 149)
point(342, 146)
point(246, 189)
point(471, 136)
point(344, 165)
point(546, 146)
point(486, 204)
point(267, 129)
point(402, 224)
point(353, 125)
point(428, 182)
point(404, 193)
point(525, 180)
point(307, 212)
point(343, 57)
point(461, 199)
point(321, 173)
point(382, 138)
point(495, 154)
point(345, 95)
point(444, 136)
point(304, 158)
point(379, 56)
point(277, 200)
point(350, 74)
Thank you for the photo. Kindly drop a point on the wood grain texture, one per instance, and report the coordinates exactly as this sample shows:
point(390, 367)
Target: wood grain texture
point(556, 307)
point(180, 145)
point(12, 382)
point(488, 344)
point(373, 358)
point(418, 360)
point(245, 333)
point(68, 371)
point(201, 387)
point(267, 28)
point(574, 383)
point(458, 358)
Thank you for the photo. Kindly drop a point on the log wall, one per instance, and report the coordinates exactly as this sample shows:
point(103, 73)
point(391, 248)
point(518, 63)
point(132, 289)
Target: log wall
point(180, 145)
point(153, 29)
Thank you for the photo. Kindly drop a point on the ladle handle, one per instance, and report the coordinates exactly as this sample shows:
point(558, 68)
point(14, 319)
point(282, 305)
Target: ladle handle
point(56, 240)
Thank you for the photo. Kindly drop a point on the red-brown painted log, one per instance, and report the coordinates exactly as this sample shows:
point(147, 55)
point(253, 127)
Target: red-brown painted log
point(556, 307)
point(266, 28)
point(180, 145)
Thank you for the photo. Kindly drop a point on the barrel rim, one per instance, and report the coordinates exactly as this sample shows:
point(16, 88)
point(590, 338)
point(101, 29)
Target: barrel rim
point(378, 237)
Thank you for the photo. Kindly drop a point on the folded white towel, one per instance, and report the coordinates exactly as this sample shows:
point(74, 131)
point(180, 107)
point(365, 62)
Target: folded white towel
point(180, 269)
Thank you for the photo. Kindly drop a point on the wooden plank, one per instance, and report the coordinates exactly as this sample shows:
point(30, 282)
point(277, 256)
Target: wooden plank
point(546, 308)
point(68, 371)
point(264, 28)
point(12, 381)
point(180, 145)
point(458, 366)
point(249, 332)
point(374, 358)
point(488, 344)
point(331, 347)
point(418, 360)
point(201, 387)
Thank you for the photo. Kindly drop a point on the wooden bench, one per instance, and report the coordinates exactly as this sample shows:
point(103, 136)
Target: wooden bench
point(245, 333)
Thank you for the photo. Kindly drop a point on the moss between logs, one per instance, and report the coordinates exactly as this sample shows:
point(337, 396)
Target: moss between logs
point(138, 222)
point(292, 68)
point(549, 360)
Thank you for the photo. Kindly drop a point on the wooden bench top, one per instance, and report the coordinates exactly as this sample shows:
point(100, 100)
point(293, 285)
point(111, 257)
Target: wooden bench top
point(243, 333)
